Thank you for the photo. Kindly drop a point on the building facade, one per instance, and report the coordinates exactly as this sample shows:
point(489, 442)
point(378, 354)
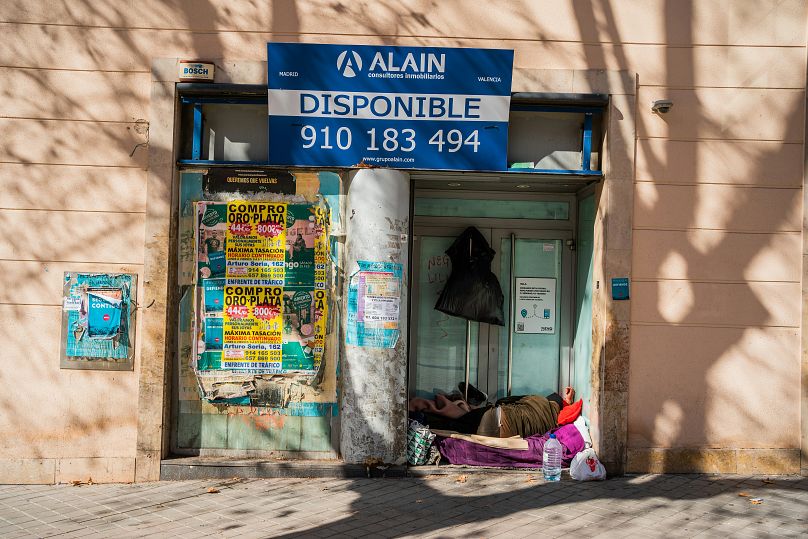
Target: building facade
point(108, 155)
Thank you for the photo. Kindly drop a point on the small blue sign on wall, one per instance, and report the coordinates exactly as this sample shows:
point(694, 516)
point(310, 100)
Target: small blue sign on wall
point(397, 107)
point(620, 288)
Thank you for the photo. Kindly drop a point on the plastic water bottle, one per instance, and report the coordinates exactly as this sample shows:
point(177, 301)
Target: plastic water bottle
point(551, 459)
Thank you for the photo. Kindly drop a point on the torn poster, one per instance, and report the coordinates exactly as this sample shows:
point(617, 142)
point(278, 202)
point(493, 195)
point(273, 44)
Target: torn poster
point(104, 309)
point(244, 249)
point(374, 297)
point(97, 321)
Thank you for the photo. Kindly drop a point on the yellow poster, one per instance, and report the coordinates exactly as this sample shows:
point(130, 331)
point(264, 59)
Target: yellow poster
point(253, 328)
point(320, 319)
point(256, 243)
point(320, 247)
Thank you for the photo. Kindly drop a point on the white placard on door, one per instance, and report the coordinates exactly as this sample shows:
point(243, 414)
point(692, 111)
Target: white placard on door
point(535, 305)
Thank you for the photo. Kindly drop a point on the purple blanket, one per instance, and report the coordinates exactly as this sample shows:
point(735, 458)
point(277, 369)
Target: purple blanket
point(469, 453)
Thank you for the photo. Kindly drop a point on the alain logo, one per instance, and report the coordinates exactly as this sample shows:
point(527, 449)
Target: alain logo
point(348, 63)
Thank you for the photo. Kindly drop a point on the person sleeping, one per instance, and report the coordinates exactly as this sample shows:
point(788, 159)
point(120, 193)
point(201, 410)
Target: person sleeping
point(521, 416)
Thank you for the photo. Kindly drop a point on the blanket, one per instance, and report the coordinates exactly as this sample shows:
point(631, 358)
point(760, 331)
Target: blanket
point(527, 415)
point(458, 451)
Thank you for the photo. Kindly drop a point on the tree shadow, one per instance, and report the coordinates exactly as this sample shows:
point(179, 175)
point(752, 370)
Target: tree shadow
point(74, 119)
point(663, 503)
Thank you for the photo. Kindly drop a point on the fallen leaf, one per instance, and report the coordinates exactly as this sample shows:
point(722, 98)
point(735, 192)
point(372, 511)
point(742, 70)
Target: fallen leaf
point(744, 494)
point(76, 483)
point(461, 479)
point(756, 501)
point(213, 490)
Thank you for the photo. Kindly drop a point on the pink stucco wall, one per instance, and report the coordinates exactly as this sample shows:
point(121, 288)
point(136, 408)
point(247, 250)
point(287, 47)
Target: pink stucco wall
point(716, 310)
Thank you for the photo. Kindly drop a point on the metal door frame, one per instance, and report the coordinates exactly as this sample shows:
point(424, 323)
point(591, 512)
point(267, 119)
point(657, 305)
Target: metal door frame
point(524, 228)
point(452, 231)
point(566, 312)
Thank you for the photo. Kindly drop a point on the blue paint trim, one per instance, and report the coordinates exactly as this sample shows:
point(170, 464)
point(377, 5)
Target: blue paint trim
point(223, 100)
point(550, 171)
point(525, 172)
point(206, 162)
point(521, 107)
point(196, 151)
point(586, 151)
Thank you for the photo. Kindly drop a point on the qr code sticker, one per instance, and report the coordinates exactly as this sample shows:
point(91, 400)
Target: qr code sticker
point(520, 326)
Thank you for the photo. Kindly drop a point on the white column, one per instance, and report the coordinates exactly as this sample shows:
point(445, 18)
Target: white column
point(373, 410)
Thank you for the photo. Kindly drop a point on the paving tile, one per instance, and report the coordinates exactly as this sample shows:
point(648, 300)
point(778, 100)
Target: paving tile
point(491, 506)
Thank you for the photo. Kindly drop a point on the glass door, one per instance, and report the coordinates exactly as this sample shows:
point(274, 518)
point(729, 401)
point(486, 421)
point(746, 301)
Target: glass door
point(440, 344)
point(531, 353)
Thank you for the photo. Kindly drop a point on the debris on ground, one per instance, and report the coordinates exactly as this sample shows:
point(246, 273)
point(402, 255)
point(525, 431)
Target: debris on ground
point(213, 490)
point(756, 501)
point(78, 482)
point(461, 479)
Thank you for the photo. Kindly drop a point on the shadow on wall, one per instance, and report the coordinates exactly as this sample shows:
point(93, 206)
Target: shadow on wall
point(708, 362)
point(73, 175)
point(94, 129)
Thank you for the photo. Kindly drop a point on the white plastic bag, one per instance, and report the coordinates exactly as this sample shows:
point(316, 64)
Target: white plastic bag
point(585, 466)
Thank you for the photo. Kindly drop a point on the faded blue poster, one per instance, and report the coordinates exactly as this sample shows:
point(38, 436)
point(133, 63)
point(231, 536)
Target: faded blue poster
point(374, 297)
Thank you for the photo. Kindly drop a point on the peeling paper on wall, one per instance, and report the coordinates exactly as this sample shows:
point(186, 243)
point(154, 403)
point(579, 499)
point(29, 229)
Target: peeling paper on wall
point(240, 355)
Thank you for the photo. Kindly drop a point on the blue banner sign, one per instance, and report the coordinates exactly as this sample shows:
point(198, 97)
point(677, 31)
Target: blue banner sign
point(397, 107)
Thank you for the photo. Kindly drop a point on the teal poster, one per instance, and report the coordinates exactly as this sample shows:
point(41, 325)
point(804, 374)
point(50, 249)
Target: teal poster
point(98, 321)
point(374, 297)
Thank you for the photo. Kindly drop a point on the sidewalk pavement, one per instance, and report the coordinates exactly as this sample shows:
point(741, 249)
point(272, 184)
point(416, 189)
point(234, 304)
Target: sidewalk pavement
point(473, 505)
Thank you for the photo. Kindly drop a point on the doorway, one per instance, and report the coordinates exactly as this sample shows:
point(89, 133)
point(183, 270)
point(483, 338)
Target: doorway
point(532, 352)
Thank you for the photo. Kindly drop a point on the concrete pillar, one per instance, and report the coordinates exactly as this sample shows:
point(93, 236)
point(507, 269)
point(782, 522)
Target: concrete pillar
point(374, 380)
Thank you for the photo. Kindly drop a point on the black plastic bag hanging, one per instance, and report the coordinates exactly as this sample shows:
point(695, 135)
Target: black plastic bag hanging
point(472, 291)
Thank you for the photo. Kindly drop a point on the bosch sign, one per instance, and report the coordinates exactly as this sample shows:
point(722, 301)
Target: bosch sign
point(196, 71)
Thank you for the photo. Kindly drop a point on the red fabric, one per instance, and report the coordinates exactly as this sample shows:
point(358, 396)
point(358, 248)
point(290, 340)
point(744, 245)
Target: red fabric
point(570, 413)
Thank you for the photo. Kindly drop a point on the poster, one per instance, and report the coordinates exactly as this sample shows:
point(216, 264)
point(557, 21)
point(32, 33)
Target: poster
point(98, 321)
point(306, 247)
point(374, 297)
point(252, 327)
point(255, 243)
point(304, 319)
point(211, 234)
point(104, 311)
point(262, 280)
point(535, 305)
point(213, 294)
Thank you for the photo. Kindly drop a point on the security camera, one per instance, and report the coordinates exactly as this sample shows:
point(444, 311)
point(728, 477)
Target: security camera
point(662, 106)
